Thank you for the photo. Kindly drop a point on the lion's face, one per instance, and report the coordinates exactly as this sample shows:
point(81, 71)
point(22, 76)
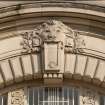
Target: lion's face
point(54, 30)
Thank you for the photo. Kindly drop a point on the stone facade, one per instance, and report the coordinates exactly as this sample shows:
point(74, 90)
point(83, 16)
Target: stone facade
point(52, 43)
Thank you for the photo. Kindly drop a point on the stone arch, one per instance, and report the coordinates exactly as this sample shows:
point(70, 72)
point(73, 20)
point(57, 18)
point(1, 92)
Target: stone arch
point(16, 21)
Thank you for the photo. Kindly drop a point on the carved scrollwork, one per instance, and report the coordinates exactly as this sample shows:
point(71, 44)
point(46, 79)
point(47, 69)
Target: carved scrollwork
point(76, 44)
point(53, 31)
point(17, 97)
point(88, 97)
point(79, 43)
point(31, 42)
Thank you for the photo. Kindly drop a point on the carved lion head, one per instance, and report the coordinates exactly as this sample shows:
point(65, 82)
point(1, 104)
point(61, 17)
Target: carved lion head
point(54, 30)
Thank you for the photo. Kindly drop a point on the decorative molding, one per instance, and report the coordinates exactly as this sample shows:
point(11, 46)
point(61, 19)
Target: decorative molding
point(79, 43)
point(76, 44)
point(89, 97)
point(16, 97)
point(52, 31)
point(53, 78)
point(31, 42)
point(53, 75)
point(53, 38)
point(54, 3)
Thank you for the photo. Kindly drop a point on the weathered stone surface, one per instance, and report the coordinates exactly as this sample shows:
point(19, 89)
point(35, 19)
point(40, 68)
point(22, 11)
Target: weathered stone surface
point(16, 97)
point(89, 97)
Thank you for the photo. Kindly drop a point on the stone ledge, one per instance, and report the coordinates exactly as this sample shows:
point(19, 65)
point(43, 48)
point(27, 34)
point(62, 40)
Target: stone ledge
point(62, 3)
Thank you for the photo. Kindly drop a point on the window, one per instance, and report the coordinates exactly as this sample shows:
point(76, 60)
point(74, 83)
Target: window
point(3, 99)
point(102, 100)
point(53, 96)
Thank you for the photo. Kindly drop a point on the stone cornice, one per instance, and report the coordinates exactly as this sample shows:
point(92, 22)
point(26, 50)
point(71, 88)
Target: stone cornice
point(19, 15)
point(16, 9)
point(60, 3)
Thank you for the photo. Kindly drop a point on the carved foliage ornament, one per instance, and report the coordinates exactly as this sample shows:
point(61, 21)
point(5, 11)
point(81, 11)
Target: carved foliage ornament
point(17, 97)
point(31, 42)
point(52, 31)
point(88, 97)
